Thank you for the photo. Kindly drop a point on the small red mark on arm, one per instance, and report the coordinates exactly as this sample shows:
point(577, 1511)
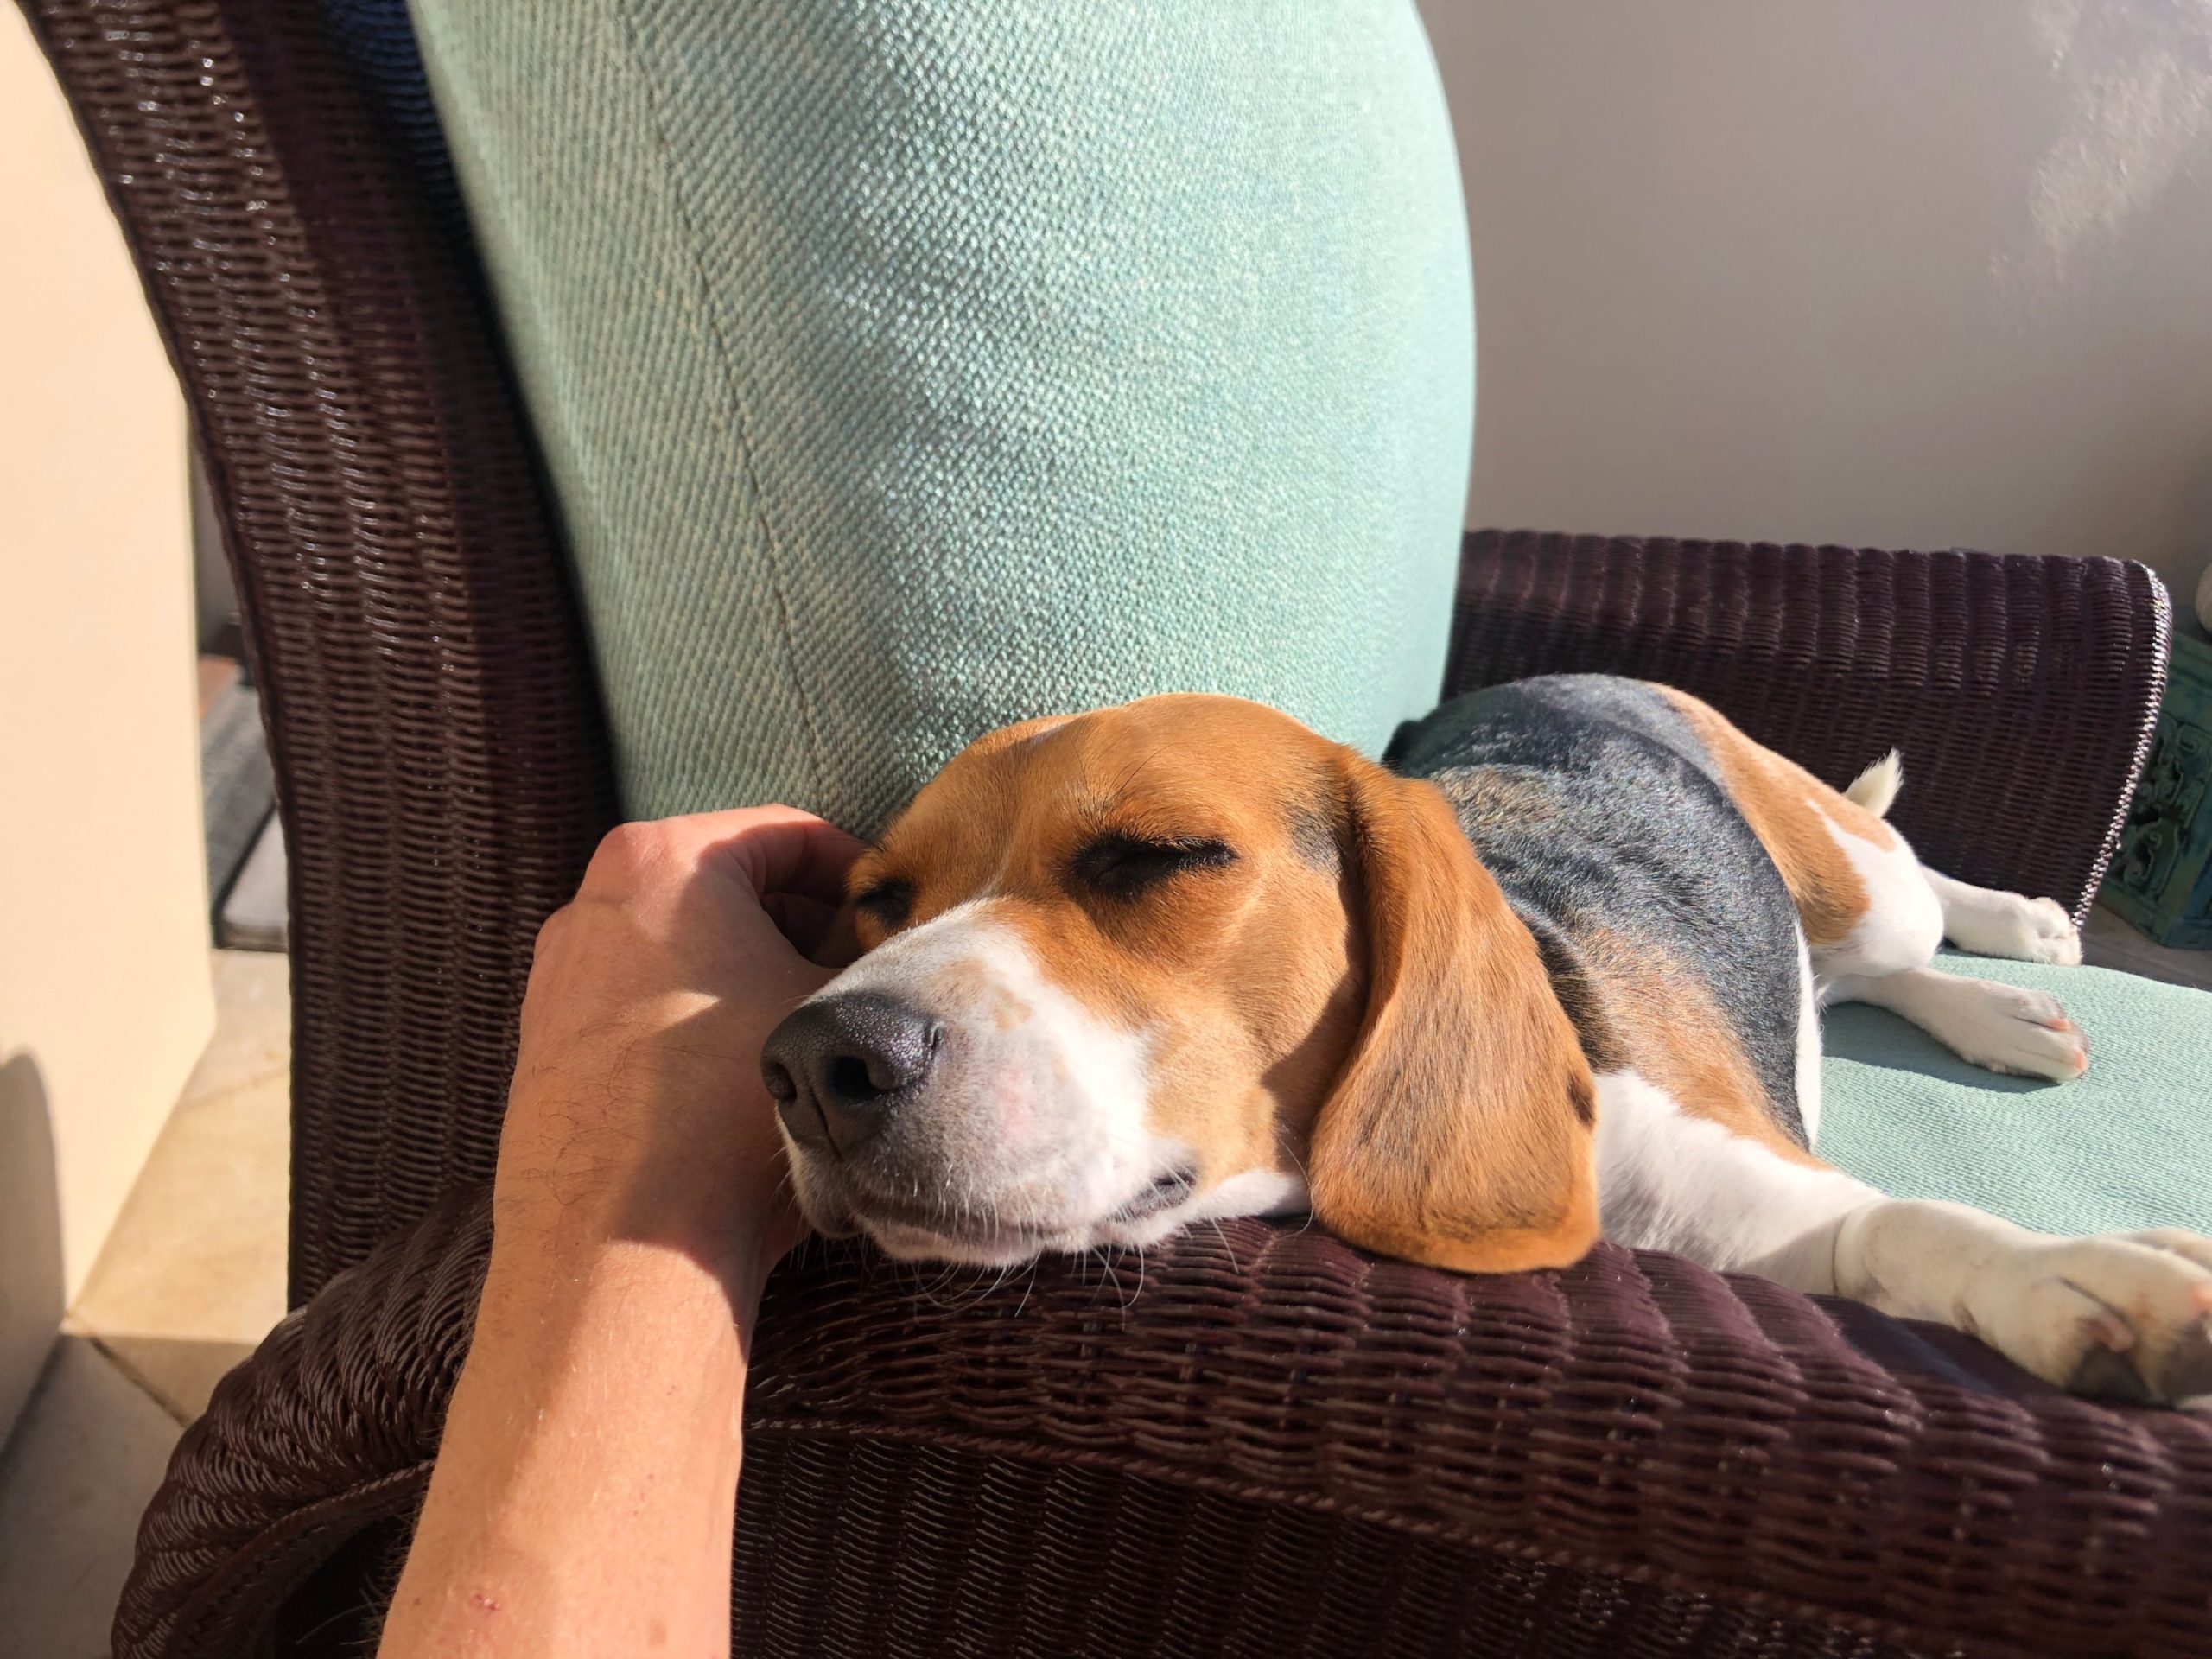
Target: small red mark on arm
point(488, 1604)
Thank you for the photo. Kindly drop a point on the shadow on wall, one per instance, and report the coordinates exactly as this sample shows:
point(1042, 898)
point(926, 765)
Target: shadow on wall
point(30, 1234)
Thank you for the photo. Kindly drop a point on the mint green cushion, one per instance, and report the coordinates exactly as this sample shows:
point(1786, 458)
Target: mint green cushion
point(2127, 1146)
point(904, 367)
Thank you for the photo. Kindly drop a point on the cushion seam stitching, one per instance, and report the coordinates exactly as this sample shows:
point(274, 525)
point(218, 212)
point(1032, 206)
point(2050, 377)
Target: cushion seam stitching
point(741, 439)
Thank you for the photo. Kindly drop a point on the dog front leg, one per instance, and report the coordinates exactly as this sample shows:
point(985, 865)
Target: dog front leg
point(2127, 1314)
point(2123, 1314)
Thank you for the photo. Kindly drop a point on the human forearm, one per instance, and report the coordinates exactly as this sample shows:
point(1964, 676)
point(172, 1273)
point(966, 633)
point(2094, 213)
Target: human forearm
point(585, 1489)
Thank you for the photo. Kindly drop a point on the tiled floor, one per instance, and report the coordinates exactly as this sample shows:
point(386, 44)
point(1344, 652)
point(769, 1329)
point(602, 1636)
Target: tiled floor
point(191, 1279)
point(86, 1454)
point(2108, 942)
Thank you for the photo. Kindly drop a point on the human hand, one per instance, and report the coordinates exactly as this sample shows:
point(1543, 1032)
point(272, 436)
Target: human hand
point(637, 1113)
point(587, 1480)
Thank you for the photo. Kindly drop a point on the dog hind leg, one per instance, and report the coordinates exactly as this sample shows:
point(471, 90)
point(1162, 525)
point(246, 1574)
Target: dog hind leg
point(1909, 909)
point(1993, 923)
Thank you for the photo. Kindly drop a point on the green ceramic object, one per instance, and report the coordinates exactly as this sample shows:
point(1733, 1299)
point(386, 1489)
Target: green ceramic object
point(2161, 878)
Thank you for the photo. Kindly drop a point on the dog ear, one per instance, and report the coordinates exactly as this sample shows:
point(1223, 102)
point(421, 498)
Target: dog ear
point(1460, 1132)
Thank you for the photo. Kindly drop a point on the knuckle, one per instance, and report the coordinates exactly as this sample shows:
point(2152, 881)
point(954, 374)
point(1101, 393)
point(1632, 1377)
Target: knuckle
point(625, 852)
point(549, 932)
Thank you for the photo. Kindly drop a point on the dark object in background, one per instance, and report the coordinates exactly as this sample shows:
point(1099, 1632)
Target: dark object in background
point(238, 788)
point(1279, 1445)
point(2162, 879)
point(245, 843)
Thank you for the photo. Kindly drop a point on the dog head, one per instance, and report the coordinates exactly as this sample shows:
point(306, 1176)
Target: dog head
point(1180, 959)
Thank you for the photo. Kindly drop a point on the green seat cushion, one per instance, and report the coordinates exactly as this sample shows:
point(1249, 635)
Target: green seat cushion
point(905, 367)
point(2127, 1146)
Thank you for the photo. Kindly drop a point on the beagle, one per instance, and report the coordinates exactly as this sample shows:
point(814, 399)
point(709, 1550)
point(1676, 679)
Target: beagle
point(1555, 973)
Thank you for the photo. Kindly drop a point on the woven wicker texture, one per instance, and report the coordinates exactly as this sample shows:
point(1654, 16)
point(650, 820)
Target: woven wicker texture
point(1262, 1579)
point(2021, 691)
point(441, 762)
point(1271, 1443)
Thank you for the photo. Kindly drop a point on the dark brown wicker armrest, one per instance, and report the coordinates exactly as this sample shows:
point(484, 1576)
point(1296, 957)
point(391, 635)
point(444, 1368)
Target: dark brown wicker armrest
point(2022, 691)
point(1263, 1406)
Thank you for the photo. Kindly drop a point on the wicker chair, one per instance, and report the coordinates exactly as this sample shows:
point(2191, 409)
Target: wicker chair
point(1265, 1443)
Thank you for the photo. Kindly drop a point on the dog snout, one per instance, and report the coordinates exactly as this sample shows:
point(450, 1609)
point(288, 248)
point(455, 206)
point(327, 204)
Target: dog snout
point(841, 1067)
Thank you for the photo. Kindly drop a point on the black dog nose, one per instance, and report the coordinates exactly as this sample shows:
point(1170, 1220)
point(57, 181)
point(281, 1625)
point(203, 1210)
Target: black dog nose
point(841, 1066)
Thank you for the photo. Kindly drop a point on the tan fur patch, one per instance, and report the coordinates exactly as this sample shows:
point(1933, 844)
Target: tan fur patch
point(1790, 812)
point(1664, 1024)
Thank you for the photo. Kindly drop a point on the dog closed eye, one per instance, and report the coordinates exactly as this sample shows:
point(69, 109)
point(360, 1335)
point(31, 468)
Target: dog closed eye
point(888, 902)
point(1123, 866)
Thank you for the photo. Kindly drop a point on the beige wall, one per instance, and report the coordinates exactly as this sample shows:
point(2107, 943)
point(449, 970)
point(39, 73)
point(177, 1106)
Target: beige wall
point(1860, 270)
point(103, 989)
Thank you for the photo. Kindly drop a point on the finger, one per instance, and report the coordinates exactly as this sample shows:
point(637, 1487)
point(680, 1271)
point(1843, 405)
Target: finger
point(805, 922)
point(775, 849)
point(804, 857)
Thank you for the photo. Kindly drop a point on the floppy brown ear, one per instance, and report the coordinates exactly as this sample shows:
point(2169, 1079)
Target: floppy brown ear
point(1459, 1133)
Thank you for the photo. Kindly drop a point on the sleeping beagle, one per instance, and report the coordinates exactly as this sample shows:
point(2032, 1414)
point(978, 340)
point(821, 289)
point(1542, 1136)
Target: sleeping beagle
point(1556, 974)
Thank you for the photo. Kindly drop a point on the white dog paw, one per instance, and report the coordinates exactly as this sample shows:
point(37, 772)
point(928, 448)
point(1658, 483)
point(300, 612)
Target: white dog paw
point(2049, 934)
point(2125, 1316)
point(2012, 925)
point(2013, 1029)
point(1990, 923)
